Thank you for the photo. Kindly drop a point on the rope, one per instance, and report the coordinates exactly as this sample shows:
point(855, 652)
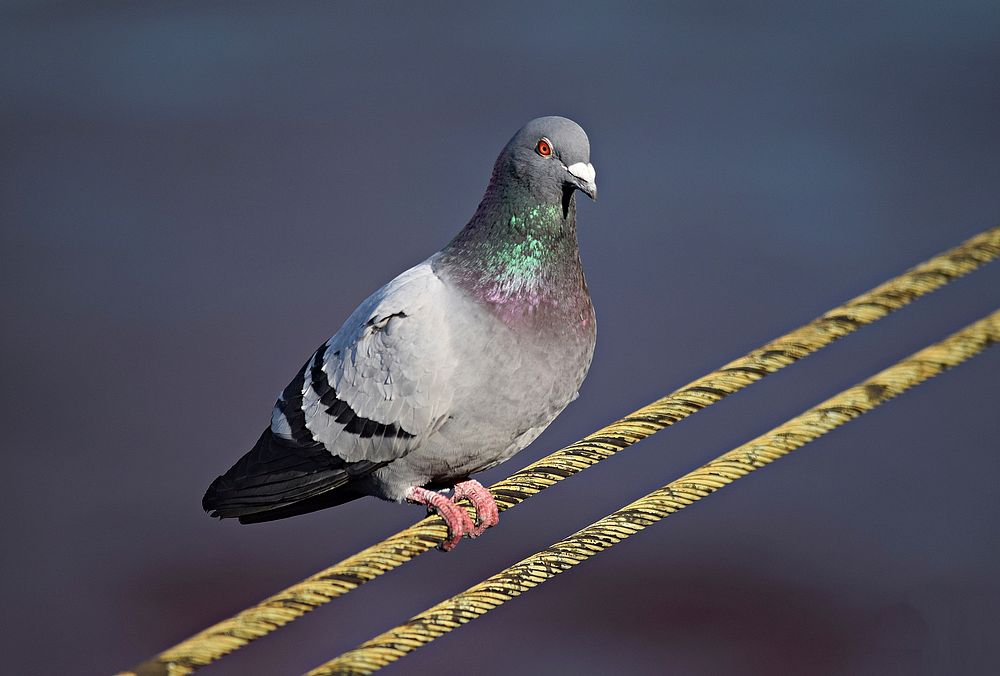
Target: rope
point(661, 503)
point(337, 580)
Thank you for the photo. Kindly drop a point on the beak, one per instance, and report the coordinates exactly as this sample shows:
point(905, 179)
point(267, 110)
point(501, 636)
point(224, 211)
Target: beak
point(585, 175)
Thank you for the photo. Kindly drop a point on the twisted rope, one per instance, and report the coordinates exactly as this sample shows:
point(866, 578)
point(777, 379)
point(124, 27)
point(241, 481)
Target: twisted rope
point(285, 606)
point(661, 503)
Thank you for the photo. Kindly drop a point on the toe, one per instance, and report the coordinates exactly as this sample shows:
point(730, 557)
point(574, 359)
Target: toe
point(457, 519)
point(487, 513)
point(450, 543)
point(459, 525)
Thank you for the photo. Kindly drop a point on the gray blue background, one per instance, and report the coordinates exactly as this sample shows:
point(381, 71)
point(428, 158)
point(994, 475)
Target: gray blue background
point(194, 195)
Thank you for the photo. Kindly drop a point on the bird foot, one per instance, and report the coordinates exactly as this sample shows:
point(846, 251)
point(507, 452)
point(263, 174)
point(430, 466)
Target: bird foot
point(487, 513)
point(458, 520)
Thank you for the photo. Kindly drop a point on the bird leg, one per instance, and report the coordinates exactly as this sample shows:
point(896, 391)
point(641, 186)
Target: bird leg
point(487, 513)
point(458, 520)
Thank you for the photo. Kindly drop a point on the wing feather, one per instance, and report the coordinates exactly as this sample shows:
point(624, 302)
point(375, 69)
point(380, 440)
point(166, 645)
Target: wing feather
point(377, 388)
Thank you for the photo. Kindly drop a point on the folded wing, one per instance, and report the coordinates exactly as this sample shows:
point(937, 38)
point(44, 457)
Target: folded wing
point(366, 397)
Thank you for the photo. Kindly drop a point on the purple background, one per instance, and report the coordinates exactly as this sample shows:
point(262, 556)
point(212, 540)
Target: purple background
point(194, 195)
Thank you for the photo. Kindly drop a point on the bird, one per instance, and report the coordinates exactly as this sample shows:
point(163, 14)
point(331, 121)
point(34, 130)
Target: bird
point(449, 369)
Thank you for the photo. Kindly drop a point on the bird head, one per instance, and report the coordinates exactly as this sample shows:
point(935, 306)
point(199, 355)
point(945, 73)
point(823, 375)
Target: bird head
point(551, 157)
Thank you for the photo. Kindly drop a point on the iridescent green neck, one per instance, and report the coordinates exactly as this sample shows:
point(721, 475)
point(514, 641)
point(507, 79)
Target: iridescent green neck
point(522, 257)
point(518, 253)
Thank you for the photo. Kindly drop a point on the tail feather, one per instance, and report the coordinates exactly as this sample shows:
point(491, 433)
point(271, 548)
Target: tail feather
point(332, 498)
point(276, 476)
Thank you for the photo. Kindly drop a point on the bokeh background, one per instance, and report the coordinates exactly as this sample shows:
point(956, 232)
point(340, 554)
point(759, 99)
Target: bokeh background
point(194, 195)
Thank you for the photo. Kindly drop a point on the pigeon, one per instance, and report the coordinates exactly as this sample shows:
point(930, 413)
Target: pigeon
point(449, 369)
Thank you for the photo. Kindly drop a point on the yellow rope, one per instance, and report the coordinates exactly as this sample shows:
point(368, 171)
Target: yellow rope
point(603, 534)
point(285, 606)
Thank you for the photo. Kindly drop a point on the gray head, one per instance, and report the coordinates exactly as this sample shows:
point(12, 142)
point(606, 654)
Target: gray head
point(550, 157)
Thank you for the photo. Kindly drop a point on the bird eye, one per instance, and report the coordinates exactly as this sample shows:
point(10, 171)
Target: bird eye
point(543, 147)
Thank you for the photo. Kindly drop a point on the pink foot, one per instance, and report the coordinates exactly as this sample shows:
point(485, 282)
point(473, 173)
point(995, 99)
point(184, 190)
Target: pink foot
point(459, 523)
point(487, 514)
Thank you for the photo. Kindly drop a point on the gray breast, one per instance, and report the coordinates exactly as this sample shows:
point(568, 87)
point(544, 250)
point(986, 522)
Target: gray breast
point(510, 382)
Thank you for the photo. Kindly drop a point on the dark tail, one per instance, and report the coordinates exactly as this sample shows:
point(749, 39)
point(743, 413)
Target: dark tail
point(278, 478)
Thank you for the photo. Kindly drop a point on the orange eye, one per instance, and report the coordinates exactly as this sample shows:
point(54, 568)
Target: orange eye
point(543, 147)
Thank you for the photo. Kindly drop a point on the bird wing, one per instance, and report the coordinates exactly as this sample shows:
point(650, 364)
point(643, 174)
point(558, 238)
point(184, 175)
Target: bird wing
point(377, 388)
point(277, 478)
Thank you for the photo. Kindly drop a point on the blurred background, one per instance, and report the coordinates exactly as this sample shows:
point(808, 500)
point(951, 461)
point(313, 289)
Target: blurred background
point(194, 195)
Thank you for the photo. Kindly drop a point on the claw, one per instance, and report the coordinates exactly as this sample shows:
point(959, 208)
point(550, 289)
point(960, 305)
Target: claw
point(487, 513)
point(459, 523)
